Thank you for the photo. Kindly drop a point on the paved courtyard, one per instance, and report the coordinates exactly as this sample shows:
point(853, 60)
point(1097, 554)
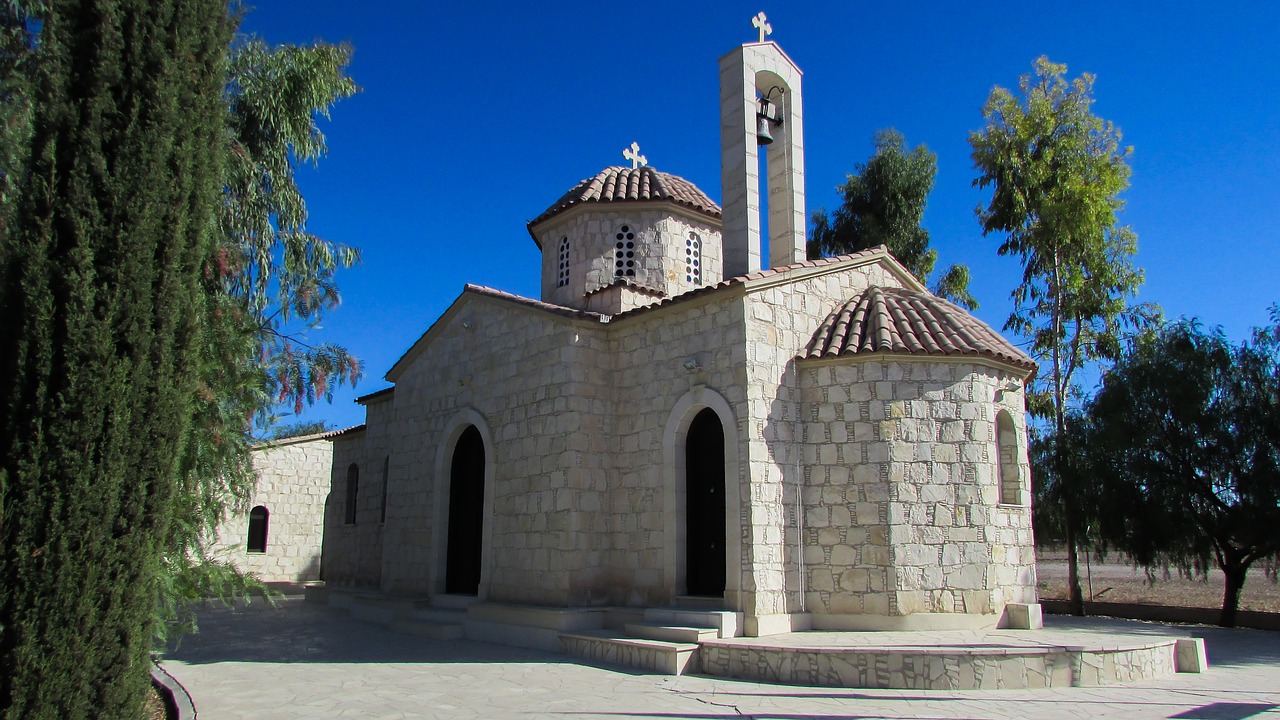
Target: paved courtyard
point(306, 660)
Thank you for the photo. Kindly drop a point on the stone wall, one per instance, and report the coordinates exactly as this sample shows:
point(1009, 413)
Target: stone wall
point(293, 480)
point(781, 318)
point(902, 495)
point(661, 244)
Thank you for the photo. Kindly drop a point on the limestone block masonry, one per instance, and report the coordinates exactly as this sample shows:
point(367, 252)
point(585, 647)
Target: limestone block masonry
point(293, 482)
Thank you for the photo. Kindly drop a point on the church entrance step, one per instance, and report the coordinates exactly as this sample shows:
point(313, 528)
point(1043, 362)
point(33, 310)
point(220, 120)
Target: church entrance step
point(727, 623)
point(381, 609)
point(433, 629)
point(672, 633)
point(437, 614)
point(457, 602)
point(699, 602)
point(668, 658)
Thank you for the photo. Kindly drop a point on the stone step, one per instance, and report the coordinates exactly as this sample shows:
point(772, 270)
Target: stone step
point(429, 629)
point(699, 602)
point(437, 614)
point(456, 602)
point(380, 608)
point(667, 658)
point(729, 624)
point(672, 633)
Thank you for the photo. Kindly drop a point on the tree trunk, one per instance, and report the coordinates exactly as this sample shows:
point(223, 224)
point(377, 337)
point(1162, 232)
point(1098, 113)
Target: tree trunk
point(1076, 597)
point(1236, 572)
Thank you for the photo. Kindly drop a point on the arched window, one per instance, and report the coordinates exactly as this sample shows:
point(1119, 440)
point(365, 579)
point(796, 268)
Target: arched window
point(563, 276)
point(353, 490)
point(1007, 445)
point(386, 480)
point(258, 529)
point(624, 252)
point(693, 259)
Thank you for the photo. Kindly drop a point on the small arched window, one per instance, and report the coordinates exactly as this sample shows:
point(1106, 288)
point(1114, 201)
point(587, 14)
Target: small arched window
point(353, 491)
point(386, 480)
point(624, 252)
point(1007, 445)
point(258, 518)
point(693, 259)
point(562, 278)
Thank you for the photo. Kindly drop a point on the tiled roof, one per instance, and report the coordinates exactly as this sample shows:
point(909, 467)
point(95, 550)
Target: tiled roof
point(624, 184)
point(363, 399)
point(631, 283)
point(908, 322)
point(345, 431)
point(879, 251)
point(530, 302)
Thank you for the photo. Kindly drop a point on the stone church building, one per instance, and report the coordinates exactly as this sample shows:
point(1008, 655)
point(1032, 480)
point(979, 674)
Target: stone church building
point(816, 444)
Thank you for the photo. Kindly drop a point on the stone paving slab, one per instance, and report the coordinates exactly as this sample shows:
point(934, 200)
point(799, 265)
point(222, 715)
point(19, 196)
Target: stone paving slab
point(305, 660)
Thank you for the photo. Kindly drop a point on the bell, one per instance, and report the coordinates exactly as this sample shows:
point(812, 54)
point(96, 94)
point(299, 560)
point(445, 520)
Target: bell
point(762, 135)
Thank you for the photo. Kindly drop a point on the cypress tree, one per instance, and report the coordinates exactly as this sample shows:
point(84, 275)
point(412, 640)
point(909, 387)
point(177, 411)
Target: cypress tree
point(99, 295)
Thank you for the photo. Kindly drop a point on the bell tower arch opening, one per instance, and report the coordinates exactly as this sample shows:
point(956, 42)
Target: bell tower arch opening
point(761, 107)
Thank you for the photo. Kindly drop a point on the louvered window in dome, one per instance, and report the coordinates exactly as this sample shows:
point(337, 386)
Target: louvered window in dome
point(624, 252)
point(563, 276)
point(693, 259)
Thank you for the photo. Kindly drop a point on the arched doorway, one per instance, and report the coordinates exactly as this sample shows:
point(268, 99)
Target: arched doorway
point(466, 515)
point(704, 506)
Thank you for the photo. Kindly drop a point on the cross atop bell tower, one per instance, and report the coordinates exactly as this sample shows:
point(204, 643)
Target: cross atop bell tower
point(760, 106)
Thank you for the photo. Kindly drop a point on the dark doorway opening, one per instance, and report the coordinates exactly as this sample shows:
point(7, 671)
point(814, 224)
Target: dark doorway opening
point(704, 506)
point(466, 515)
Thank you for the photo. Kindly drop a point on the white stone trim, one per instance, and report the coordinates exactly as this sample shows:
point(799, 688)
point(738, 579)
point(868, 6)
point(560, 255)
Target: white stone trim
point(698, 398)
point(466, 417)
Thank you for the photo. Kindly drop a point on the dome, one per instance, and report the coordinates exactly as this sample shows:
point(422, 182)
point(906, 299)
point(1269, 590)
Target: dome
point(624, 184)
point(908, 322)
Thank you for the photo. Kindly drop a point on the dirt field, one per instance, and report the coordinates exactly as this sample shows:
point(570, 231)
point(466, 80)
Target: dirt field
point(1116, 580)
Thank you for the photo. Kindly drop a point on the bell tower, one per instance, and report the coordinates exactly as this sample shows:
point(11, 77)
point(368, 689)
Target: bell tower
point(760, 107)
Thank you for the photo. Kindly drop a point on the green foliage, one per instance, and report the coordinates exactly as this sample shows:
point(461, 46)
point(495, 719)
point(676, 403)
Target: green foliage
point(17, 43)
point(1056, 171)
point(299, 429)
point(1186, 444)
point(99, 289)
point(268, 279)
point(884, 201)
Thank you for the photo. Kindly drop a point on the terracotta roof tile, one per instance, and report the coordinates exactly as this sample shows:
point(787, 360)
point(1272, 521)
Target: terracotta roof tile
point(632, 283)
point(345, 431)
point(376, 395)
point(878, 250)
point(908, 322)
point(624, 184)
point(538, 304)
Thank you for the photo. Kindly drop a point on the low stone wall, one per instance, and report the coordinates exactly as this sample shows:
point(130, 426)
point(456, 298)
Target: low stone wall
point(1165, 613)
point(939, 668)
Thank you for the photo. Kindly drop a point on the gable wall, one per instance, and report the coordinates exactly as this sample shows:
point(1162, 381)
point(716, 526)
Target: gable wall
point(292, 482)
point(528, 377)
point(648, 380)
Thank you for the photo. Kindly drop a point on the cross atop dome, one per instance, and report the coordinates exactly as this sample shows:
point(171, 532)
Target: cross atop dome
point(760, 22)
point(633, 154)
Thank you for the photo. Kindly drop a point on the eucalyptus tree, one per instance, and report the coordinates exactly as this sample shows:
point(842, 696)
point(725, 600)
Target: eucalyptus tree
point(884, 202)
point(1056, 171)
point(1186, 445)
point(100, 295)
point(268, 281)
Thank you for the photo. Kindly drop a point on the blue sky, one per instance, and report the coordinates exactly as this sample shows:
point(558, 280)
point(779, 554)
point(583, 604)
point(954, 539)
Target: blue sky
point(475, 117)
